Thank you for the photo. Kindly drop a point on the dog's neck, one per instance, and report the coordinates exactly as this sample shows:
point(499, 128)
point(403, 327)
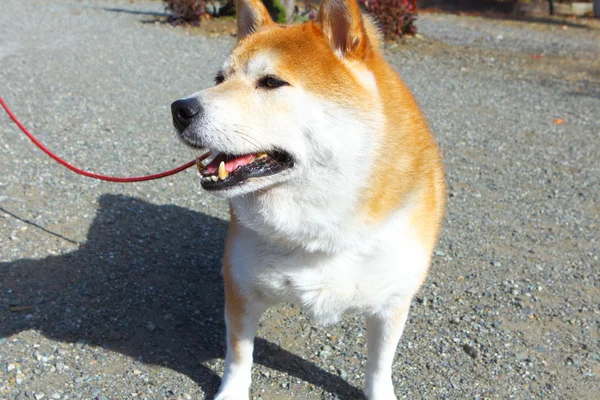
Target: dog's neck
point(302, 218)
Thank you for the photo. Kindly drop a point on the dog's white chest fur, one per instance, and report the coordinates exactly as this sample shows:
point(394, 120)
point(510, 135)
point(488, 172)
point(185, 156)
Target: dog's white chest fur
point(378, 266)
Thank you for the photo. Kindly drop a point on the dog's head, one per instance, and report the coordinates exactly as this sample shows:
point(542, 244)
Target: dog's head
point(291, 104)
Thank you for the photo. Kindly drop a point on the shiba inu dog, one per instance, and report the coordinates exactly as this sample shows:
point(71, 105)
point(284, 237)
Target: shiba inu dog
point(335, 184)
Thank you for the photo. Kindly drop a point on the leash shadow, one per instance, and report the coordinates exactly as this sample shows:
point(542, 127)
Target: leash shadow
point(146, 283)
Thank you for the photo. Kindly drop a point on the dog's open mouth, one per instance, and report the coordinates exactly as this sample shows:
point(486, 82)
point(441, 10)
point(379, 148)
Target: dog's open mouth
point(227, 170)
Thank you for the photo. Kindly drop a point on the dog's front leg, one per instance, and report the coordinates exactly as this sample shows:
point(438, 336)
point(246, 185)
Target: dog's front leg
point(241, 319)
point(383, 334)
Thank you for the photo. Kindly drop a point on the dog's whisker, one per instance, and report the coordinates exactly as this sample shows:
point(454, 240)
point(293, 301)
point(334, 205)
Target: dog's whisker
point(250, 143)
point(249, 140)
point(241, 132)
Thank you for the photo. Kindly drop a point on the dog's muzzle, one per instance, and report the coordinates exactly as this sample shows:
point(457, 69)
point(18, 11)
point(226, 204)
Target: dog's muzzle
point(184, 112)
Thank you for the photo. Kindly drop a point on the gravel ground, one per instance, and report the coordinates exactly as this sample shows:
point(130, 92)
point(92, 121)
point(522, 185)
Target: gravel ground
point(112, 291)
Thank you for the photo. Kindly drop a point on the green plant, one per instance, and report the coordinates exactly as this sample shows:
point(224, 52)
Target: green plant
point(277, 10)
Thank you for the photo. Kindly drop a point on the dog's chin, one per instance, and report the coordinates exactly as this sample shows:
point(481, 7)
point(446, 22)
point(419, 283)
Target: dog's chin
point(252, 186)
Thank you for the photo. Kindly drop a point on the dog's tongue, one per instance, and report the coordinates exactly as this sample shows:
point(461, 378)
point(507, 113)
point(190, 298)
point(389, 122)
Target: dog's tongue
point(231, 162)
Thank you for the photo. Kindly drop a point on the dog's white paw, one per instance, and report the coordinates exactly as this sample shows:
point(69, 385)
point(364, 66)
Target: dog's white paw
point(232, 395)
point(380, 392)
point(229, 396)
point(381, 396)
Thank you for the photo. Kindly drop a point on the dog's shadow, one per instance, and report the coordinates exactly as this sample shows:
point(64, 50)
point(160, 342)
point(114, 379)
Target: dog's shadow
point(146, 283)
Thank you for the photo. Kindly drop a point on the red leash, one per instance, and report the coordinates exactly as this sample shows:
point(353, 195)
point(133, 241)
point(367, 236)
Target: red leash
point(90, 174)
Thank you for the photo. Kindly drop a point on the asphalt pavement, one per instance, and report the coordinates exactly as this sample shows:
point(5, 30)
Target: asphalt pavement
point(113, 291)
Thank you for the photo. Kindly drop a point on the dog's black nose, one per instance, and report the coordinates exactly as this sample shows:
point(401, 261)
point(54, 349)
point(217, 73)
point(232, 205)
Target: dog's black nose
point(184, 111)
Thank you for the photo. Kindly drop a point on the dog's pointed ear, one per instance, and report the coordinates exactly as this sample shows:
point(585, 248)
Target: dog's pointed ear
point(251, 15)
point(342, 23)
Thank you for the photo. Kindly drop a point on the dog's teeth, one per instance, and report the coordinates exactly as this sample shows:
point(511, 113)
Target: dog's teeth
point(214, 178)
point(262, 155)
point(222, 171)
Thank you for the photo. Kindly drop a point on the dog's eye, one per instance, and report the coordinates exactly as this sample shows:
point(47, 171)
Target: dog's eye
point(271, 82)
point(220, 78)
